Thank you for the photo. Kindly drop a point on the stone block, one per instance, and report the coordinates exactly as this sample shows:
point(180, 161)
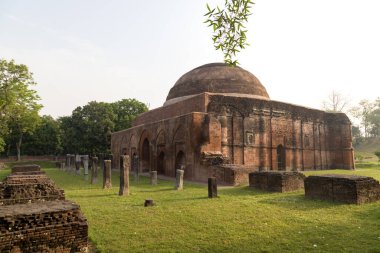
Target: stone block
point(26, 168)
point(351, 189)
point(276, 181)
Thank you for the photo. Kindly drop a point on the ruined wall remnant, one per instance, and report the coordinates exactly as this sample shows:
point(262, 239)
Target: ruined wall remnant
point(350, 189)
point(277, 181)
point(35, 217)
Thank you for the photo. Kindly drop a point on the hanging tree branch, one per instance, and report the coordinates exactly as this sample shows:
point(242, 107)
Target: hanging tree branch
point(228, 25)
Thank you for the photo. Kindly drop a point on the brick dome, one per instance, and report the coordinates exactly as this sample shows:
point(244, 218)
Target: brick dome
point(217, 78)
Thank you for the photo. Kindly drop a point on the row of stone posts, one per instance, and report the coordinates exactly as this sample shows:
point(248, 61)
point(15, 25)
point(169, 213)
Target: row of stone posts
point(92, 163)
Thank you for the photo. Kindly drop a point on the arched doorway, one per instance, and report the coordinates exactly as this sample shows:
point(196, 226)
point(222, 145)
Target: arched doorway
point(180, 161)
point(145, 156)
point(281, 162)
point(161, 163)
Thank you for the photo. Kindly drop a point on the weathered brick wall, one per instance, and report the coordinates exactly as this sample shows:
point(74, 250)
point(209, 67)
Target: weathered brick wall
point(247, 131)
point(27, 188)
point(53, 226)
point(34, 217)
point(350, 189)
point(193, 104)
point(278, 181)
point(183, 133)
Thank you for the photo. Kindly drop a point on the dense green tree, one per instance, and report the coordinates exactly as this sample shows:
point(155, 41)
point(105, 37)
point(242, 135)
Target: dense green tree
point(45, 139)
point(89, 129)
point(18, 104)
point(229, 27)
point(70, 135)
point(126, 111)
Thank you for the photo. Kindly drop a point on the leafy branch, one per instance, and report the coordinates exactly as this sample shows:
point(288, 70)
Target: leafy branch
point(229, 31)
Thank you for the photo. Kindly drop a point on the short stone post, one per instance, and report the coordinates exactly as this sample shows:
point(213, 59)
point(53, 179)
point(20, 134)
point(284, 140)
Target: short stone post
point(62, 166)
point(153, 177)
point(94, 170)
point(68, 162)
point(77, 164)
point(85, 166)
point(124, 176)
point(72, 163)
point(212, 187)
point(101, 162)
point(149, 202)
point(136, 167)
point(179, 180)
point(107, 184)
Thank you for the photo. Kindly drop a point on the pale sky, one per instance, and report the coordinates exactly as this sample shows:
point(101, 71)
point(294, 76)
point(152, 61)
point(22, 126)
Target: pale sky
point(85, 50)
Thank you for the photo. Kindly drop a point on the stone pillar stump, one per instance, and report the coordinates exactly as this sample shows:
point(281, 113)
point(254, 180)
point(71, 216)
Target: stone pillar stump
point(124, 176)
point(85, 166)
point(107, 183)
point(179, 180)
point(94, 170)
point(153, 177)
point(212, 187)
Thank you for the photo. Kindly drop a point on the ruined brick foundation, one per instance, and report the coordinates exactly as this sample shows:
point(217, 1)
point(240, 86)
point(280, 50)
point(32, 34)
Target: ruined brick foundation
point(349, 189)
point(277, 181)
point(35, 217)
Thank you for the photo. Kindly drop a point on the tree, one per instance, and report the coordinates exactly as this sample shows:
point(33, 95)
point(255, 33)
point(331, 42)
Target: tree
point(362, 113)
point(229, 27)
point(45, 139)
point(126, 111)
point(18, 103)
point(374, 119)
point(356, 135)
point(377, 153)
point(70, 134)
point(336, 102)
point(89, 128)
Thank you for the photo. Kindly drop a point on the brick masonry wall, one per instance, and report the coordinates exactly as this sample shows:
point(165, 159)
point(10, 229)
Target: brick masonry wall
point(245, 131)
point(350, 189)
point(277, 181)
point(34, 217)
point(53, 226)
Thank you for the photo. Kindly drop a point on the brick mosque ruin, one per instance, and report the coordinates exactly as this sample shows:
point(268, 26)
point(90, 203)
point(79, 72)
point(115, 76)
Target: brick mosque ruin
point(220, 121)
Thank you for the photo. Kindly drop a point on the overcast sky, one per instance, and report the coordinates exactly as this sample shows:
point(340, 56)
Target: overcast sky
point(85, 50)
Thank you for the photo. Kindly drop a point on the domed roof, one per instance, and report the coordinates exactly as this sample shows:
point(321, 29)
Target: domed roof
point(217, 78)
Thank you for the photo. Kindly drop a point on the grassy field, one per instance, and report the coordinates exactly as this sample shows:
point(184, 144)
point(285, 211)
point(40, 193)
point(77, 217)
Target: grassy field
point(240, 220)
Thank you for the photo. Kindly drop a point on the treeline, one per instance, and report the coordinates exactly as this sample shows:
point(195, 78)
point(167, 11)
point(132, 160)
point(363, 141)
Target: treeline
point(368, 115)
point(86, 131)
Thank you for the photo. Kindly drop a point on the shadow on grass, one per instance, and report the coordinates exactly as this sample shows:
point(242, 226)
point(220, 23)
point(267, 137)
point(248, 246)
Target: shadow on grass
point(297, 200)
point(158, 190)
point(242, 191)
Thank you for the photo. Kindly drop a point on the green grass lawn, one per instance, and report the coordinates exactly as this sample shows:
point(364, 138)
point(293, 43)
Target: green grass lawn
point(240, 220)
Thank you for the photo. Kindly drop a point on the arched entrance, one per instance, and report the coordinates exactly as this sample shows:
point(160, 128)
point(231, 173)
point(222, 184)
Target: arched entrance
point(145, 156)
point(180, 161)
point(281, 162)
point(161, 163)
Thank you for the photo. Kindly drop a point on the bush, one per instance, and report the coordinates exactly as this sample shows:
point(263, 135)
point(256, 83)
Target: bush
point(377, 153)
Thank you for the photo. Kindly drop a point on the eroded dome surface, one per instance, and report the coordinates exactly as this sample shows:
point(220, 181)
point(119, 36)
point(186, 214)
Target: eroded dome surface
point(217, 78)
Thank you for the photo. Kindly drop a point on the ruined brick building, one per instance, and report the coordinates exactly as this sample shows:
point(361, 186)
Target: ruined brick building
point(219, 121)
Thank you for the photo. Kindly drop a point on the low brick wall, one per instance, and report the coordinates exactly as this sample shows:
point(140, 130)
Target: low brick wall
point(277, 181)
point(350, 189)
point(53, 226)
point(26, 168)
point(231, 174)
point(35, 217)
